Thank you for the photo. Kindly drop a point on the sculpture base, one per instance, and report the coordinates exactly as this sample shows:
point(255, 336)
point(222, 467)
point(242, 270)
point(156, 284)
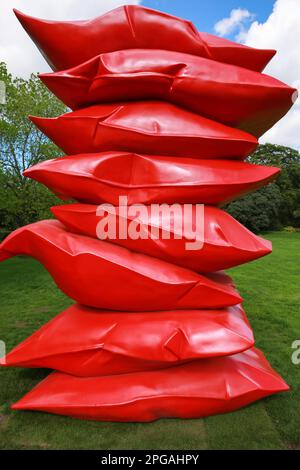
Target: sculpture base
point(197, 389)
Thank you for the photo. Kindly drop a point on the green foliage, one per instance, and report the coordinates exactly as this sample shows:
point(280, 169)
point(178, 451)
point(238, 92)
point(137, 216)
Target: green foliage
point(22, 200)
point(277, 204)
point(275, 155)
point(31, 202)
point(289, 229)
point(259, 211)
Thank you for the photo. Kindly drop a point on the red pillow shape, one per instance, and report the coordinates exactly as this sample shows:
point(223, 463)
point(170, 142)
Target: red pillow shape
point(151, 127)
point(108, 342)
point(194, 390)
point(229, 94)
point(103, 275)
point(216, 242)
point(104, 177)
point(65, 44)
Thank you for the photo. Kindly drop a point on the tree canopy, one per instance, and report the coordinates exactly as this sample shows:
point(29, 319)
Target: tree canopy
point(278, 204)
point(21, 146)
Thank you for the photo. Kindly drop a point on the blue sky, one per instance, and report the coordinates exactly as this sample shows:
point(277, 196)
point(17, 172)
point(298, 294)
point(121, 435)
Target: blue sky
point(205, 13)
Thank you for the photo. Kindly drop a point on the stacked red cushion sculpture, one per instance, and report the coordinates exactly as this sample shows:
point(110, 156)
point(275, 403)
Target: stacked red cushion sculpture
point(162, 120)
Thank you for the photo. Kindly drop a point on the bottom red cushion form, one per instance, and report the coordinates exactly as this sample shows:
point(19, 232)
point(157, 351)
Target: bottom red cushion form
point(193, 390)
point(87, 342)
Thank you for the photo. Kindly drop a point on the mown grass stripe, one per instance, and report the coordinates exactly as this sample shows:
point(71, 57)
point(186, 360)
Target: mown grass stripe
point(249, 428)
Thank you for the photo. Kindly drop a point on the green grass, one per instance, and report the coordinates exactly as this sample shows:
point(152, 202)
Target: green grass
point(270, 287)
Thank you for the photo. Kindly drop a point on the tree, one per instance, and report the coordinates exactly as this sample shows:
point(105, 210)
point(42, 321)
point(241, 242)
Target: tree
point(21, 146)
point(260, 210)
point(278, 204)
point(275, 155)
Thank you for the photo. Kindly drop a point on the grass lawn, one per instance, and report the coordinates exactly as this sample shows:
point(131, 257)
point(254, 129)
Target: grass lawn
point(270, 287)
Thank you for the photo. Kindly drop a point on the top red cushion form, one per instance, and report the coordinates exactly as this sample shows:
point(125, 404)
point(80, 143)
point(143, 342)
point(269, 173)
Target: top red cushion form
point(194, 390)
point(103, 275)
point(65, 44)
point(152, 127)
point(144, 179)
point(87, 342)
point(232, 95)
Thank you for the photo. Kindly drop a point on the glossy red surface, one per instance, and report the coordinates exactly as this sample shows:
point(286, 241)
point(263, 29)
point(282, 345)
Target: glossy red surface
point(144, 179)
point(103, 275)
point(197, 389)
point(218, 240)
point(151, 127)
point(65, 44)
point(108, 342)
point(165, 342)
point(228, 94)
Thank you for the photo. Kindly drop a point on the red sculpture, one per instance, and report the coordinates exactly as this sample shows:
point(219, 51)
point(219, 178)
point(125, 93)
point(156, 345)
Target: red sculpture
point(162, 115)
point(133, 27)
point(108, 342)
point(199, 388)
point(226, 243)
point(103, 275)
point(151, 127)
point(145, 179)
point(229, 94)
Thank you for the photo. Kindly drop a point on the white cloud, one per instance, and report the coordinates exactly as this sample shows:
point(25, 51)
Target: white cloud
point(235, 22)
point(281, 31)
point(17, 49)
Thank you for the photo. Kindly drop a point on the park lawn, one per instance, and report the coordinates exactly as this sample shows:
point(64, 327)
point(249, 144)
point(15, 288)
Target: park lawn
point(270, 287)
